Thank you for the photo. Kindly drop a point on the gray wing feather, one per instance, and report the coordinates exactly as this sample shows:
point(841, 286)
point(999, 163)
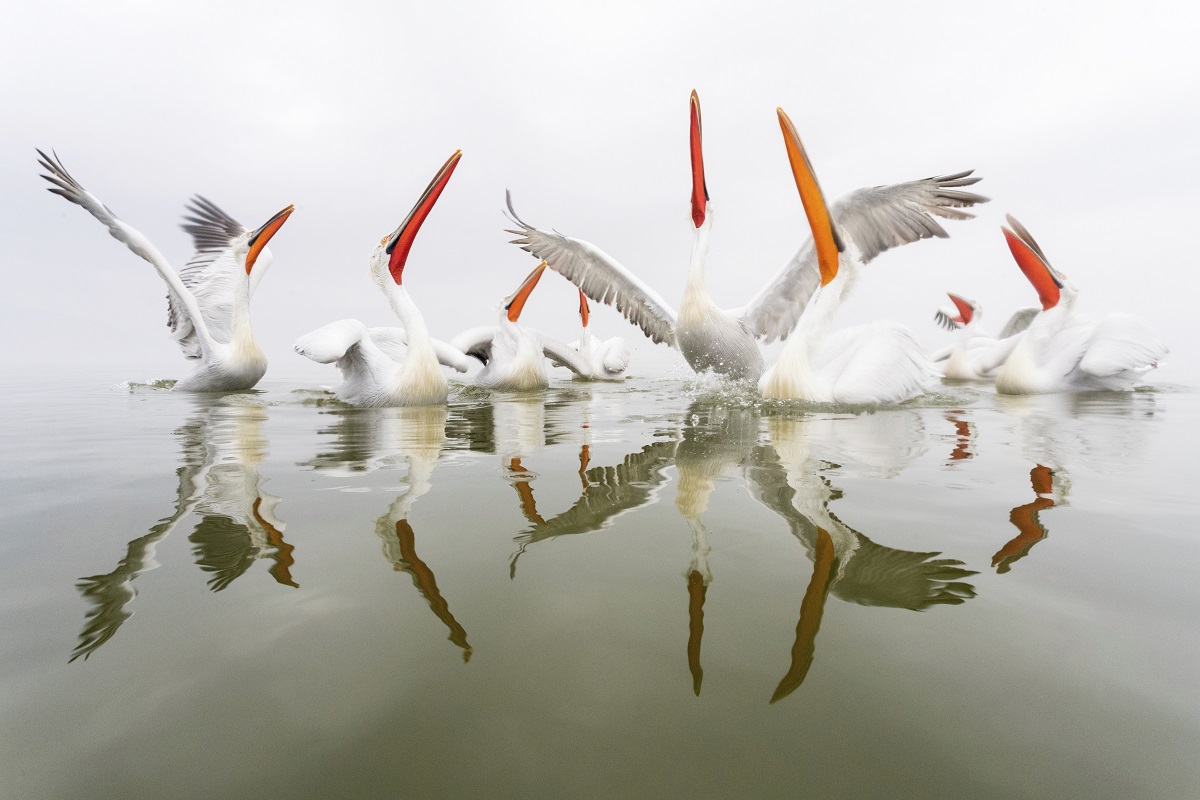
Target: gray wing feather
point(210, 227)
point(599, 276)
point(1019, 321)
point(874, 219)
point(945, 320)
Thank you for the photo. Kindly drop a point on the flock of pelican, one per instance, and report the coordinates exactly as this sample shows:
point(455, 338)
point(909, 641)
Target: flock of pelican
point(1051, 349)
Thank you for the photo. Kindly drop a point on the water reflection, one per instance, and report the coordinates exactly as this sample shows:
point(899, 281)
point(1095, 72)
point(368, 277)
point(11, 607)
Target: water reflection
point(221, 447)
point(1025, 519)
point(1056, 432)
point(786, 476)
point(718, 440)
point(606, 493)
point(964, 436)
point(412, 437)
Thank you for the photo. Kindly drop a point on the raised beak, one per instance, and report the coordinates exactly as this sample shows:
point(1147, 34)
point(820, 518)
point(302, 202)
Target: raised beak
point(965, 310)
point(515, 302)
point(259, 239)
point(583, 308)
point(826, 239)
point(699, 187)
point(1033, 263)
point(400, 242)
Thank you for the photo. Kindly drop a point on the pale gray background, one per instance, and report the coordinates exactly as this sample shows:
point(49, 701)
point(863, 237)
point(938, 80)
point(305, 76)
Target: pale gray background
point(1082, 118)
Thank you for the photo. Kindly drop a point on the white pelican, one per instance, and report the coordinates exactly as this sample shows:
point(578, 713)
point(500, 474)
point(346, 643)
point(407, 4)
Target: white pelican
point(879, 362)
point(390, 366)
point(513, 356)
point(723, 341)
point(1063, 351)
point(208, 301)
point(606, 360)
point(977, 354)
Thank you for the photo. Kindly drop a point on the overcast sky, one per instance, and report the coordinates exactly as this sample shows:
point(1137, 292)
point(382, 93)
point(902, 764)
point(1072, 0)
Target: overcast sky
point(1084, 121)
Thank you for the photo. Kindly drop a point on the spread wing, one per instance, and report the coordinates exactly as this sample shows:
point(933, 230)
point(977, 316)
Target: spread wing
point(874, 219)
point(184, 309)
point(213, 275)
point(599, 276)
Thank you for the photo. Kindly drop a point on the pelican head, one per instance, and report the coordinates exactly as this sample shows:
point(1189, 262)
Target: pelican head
point(1049, 283)
point(515, 302)
point(392, 251)
point(699, 186)
point(255, 243)
point(825, 236)
point(968, 310)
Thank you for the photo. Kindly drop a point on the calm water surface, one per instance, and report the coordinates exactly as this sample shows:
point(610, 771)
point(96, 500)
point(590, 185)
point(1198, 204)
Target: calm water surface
point(642, 590)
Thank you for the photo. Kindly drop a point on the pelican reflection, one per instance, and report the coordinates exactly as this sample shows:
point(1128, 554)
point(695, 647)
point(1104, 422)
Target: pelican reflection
point(786, 476)
point(1026, 520)
point(409, 436)
point(606, 493)
point(221, 448)
point(719, 439)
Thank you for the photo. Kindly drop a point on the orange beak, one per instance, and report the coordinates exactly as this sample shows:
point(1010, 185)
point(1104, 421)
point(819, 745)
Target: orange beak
point(583, 308)
point(259, 239)
point(699, 187)
point(515, 302)
point(400, 242)
point(1031, 261)
point(826, 239)
point(965, 311)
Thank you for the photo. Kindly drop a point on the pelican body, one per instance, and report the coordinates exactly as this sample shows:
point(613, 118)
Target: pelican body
point(390, 366)
point(1064, 351)
point(725, 341)
point(208, 301)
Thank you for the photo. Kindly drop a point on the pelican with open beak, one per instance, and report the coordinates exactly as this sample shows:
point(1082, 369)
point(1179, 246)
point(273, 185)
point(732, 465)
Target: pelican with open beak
point(877, 363)
point(1063, 350)
point(391, 366)
point(208, 301)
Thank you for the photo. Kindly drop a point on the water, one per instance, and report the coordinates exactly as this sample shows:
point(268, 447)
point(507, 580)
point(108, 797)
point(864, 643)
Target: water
point(661, 588)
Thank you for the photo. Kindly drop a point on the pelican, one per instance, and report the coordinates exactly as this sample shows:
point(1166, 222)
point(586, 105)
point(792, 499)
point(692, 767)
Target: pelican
point(606, 360)
point(723, 341)
point(879, 362)
point(977, 354)
point(513, 356)
point(208, 301)
point(390, 366)
point(1063, 351)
